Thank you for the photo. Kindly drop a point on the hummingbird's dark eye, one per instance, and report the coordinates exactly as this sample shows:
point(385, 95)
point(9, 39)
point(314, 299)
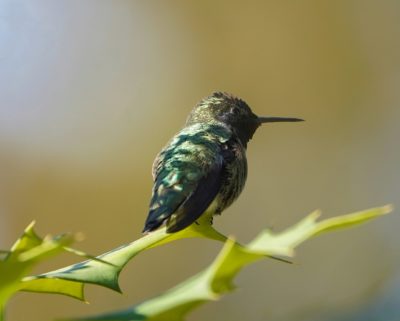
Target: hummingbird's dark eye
point(234, 111)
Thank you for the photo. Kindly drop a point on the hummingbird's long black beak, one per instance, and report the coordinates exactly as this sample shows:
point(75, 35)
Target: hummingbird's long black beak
point(278, 119)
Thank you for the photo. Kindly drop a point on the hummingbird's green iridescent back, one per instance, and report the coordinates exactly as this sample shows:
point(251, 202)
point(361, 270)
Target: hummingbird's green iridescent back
point(203, 168)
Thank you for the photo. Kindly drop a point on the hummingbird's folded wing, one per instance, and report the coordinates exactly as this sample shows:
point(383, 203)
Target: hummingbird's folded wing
point(197, 202)
point(187, 180)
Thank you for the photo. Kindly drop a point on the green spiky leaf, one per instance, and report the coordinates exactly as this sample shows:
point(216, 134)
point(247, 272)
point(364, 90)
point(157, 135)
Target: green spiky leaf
point(217, 279)
point(105, 269)
point(28, 251)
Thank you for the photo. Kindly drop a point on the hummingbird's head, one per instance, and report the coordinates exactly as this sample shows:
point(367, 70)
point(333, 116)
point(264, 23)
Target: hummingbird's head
point(232, 112)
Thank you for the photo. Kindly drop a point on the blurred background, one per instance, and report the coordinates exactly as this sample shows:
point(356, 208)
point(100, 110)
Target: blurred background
point(91, 90)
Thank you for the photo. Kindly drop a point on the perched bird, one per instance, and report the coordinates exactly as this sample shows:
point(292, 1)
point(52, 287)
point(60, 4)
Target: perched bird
point(203, 168)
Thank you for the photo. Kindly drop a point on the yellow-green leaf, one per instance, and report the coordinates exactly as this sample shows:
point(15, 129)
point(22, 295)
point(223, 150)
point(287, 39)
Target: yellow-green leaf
point(217, 279)
point(99, 273)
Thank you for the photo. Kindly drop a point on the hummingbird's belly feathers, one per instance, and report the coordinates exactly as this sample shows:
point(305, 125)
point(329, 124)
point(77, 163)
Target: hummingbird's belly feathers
point(202, 169)
point(235, 175)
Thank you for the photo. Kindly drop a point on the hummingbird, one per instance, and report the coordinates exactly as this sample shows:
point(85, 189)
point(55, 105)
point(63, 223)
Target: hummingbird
point(203, 168)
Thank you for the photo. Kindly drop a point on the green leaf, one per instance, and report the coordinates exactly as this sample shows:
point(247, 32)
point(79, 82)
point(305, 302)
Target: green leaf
point(99, 273)
point(54, 286)
point(217, 279)
point(27, 251)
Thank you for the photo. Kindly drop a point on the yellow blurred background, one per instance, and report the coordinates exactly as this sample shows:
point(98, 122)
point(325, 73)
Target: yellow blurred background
point(91, 90)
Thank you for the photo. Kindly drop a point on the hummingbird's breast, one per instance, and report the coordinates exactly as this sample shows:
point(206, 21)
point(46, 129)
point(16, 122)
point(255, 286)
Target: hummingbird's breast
point(234, 174)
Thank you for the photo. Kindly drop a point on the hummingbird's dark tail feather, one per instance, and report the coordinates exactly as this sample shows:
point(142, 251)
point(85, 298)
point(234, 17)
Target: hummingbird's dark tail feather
point(155, 219)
